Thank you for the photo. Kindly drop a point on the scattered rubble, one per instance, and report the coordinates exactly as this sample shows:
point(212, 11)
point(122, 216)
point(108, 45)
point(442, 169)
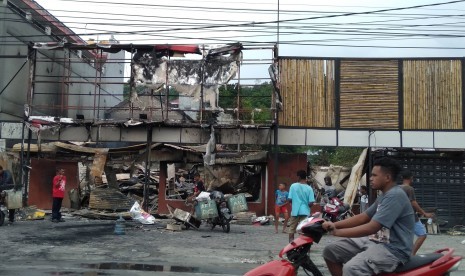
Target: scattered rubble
point(109, 199)
point(244, 218)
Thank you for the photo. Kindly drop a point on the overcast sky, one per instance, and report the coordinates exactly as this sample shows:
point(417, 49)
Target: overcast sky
point(326, 29)
point(209, 21)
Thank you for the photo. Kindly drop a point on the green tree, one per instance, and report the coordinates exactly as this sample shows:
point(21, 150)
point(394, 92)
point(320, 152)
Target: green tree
point(342, 156)
point(255, 101)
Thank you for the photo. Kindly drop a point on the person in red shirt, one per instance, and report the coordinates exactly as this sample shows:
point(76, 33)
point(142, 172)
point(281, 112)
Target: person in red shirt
point(58, 193)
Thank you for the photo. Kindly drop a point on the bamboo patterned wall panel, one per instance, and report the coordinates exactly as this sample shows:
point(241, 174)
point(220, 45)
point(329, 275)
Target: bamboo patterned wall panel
point(432, 94)
point(307, 90)
point(369, 94)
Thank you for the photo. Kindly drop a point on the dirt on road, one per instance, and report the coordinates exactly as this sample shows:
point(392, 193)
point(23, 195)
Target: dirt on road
point(89, 247)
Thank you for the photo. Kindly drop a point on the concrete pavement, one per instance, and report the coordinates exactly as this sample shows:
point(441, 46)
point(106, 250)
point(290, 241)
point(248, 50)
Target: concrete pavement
point(89, 247)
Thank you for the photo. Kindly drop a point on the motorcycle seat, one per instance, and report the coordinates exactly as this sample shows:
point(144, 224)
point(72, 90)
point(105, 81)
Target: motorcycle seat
point(417, 261)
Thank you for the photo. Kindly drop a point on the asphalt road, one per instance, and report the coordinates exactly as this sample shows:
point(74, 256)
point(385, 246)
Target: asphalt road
point(89, 247)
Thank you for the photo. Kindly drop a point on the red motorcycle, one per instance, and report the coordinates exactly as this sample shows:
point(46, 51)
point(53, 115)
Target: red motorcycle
point(335, 209)
point(441, 262)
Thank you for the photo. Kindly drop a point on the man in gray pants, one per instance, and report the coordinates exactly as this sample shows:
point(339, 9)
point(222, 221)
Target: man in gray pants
point(379, 239)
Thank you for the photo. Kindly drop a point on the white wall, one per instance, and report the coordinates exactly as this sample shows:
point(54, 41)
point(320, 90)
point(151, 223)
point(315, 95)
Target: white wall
point(50, 68)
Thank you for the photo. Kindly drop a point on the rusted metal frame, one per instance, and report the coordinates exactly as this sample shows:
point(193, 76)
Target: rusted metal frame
point(65, 80)
point(27, 167)
point(99, 85)
point(131, 83)
point(167, 87)
point(202, 79)
point(32, 76)
point(21, 157)
point(239, 106)
point(75, 60)
point(147, 168)
point(238, 92)
point(68, 77)
point(151, 105)
point(276, 120)
point(95, 85)
point(79, 94)
point(86, 82)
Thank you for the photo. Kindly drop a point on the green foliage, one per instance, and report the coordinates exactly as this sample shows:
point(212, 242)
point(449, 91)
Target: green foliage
point(292, 149)
point(254, 99)
point(173, 94)
point(342, 156)
point(325, 156)
point(127, 90)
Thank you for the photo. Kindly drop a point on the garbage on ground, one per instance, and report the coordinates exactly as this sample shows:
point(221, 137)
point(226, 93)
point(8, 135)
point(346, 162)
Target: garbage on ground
point(263, 220)
point(457, 230)
point(140, 215)
point(133, 187)
point(203, 196)
point(244, 218)
point(104, 214)
point(173, 227)
point(30, 213)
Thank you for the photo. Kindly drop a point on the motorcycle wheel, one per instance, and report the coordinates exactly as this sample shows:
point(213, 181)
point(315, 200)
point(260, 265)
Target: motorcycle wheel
point(2, 218)
point(226, 226)
point(310, 268)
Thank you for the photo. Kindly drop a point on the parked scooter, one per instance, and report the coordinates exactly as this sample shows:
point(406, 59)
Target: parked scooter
point(335, 209)
point(224, 214)
point(441, 262)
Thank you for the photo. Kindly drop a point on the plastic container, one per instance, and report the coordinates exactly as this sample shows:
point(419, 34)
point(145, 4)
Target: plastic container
point(14, 199)
point(120, 226)
point(237, 203)
point(206, 209)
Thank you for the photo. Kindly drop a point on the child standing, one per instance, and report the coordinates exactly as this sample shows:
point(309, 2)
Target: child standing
point(281, 206)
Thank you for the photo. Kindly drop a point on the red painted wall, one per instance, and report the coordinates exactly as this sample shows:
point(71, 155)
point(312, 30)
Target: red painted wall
point(288, 165)
point(40, 183)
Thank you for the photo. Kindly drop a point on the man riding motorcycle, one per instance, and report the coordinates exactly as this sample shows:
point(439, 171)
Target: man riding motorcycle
point(389, 223)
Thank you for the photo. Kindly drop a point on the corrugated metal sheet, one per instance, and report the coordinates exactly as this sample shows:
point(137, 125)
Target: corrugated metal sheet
point(307, 90)
point(432, 94)
point(369, 94)
point(109, 199)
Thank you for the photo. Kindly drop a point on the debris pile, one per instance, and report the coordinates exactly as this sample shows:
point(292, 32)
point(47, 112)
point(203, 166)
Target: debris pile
point(133, 187)
point(109, 199)
point(244, 218)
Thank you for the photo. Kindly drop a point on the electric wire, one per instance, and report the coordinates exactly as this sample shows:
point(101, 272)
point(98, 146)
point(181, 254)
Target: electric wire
point(369, 33)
